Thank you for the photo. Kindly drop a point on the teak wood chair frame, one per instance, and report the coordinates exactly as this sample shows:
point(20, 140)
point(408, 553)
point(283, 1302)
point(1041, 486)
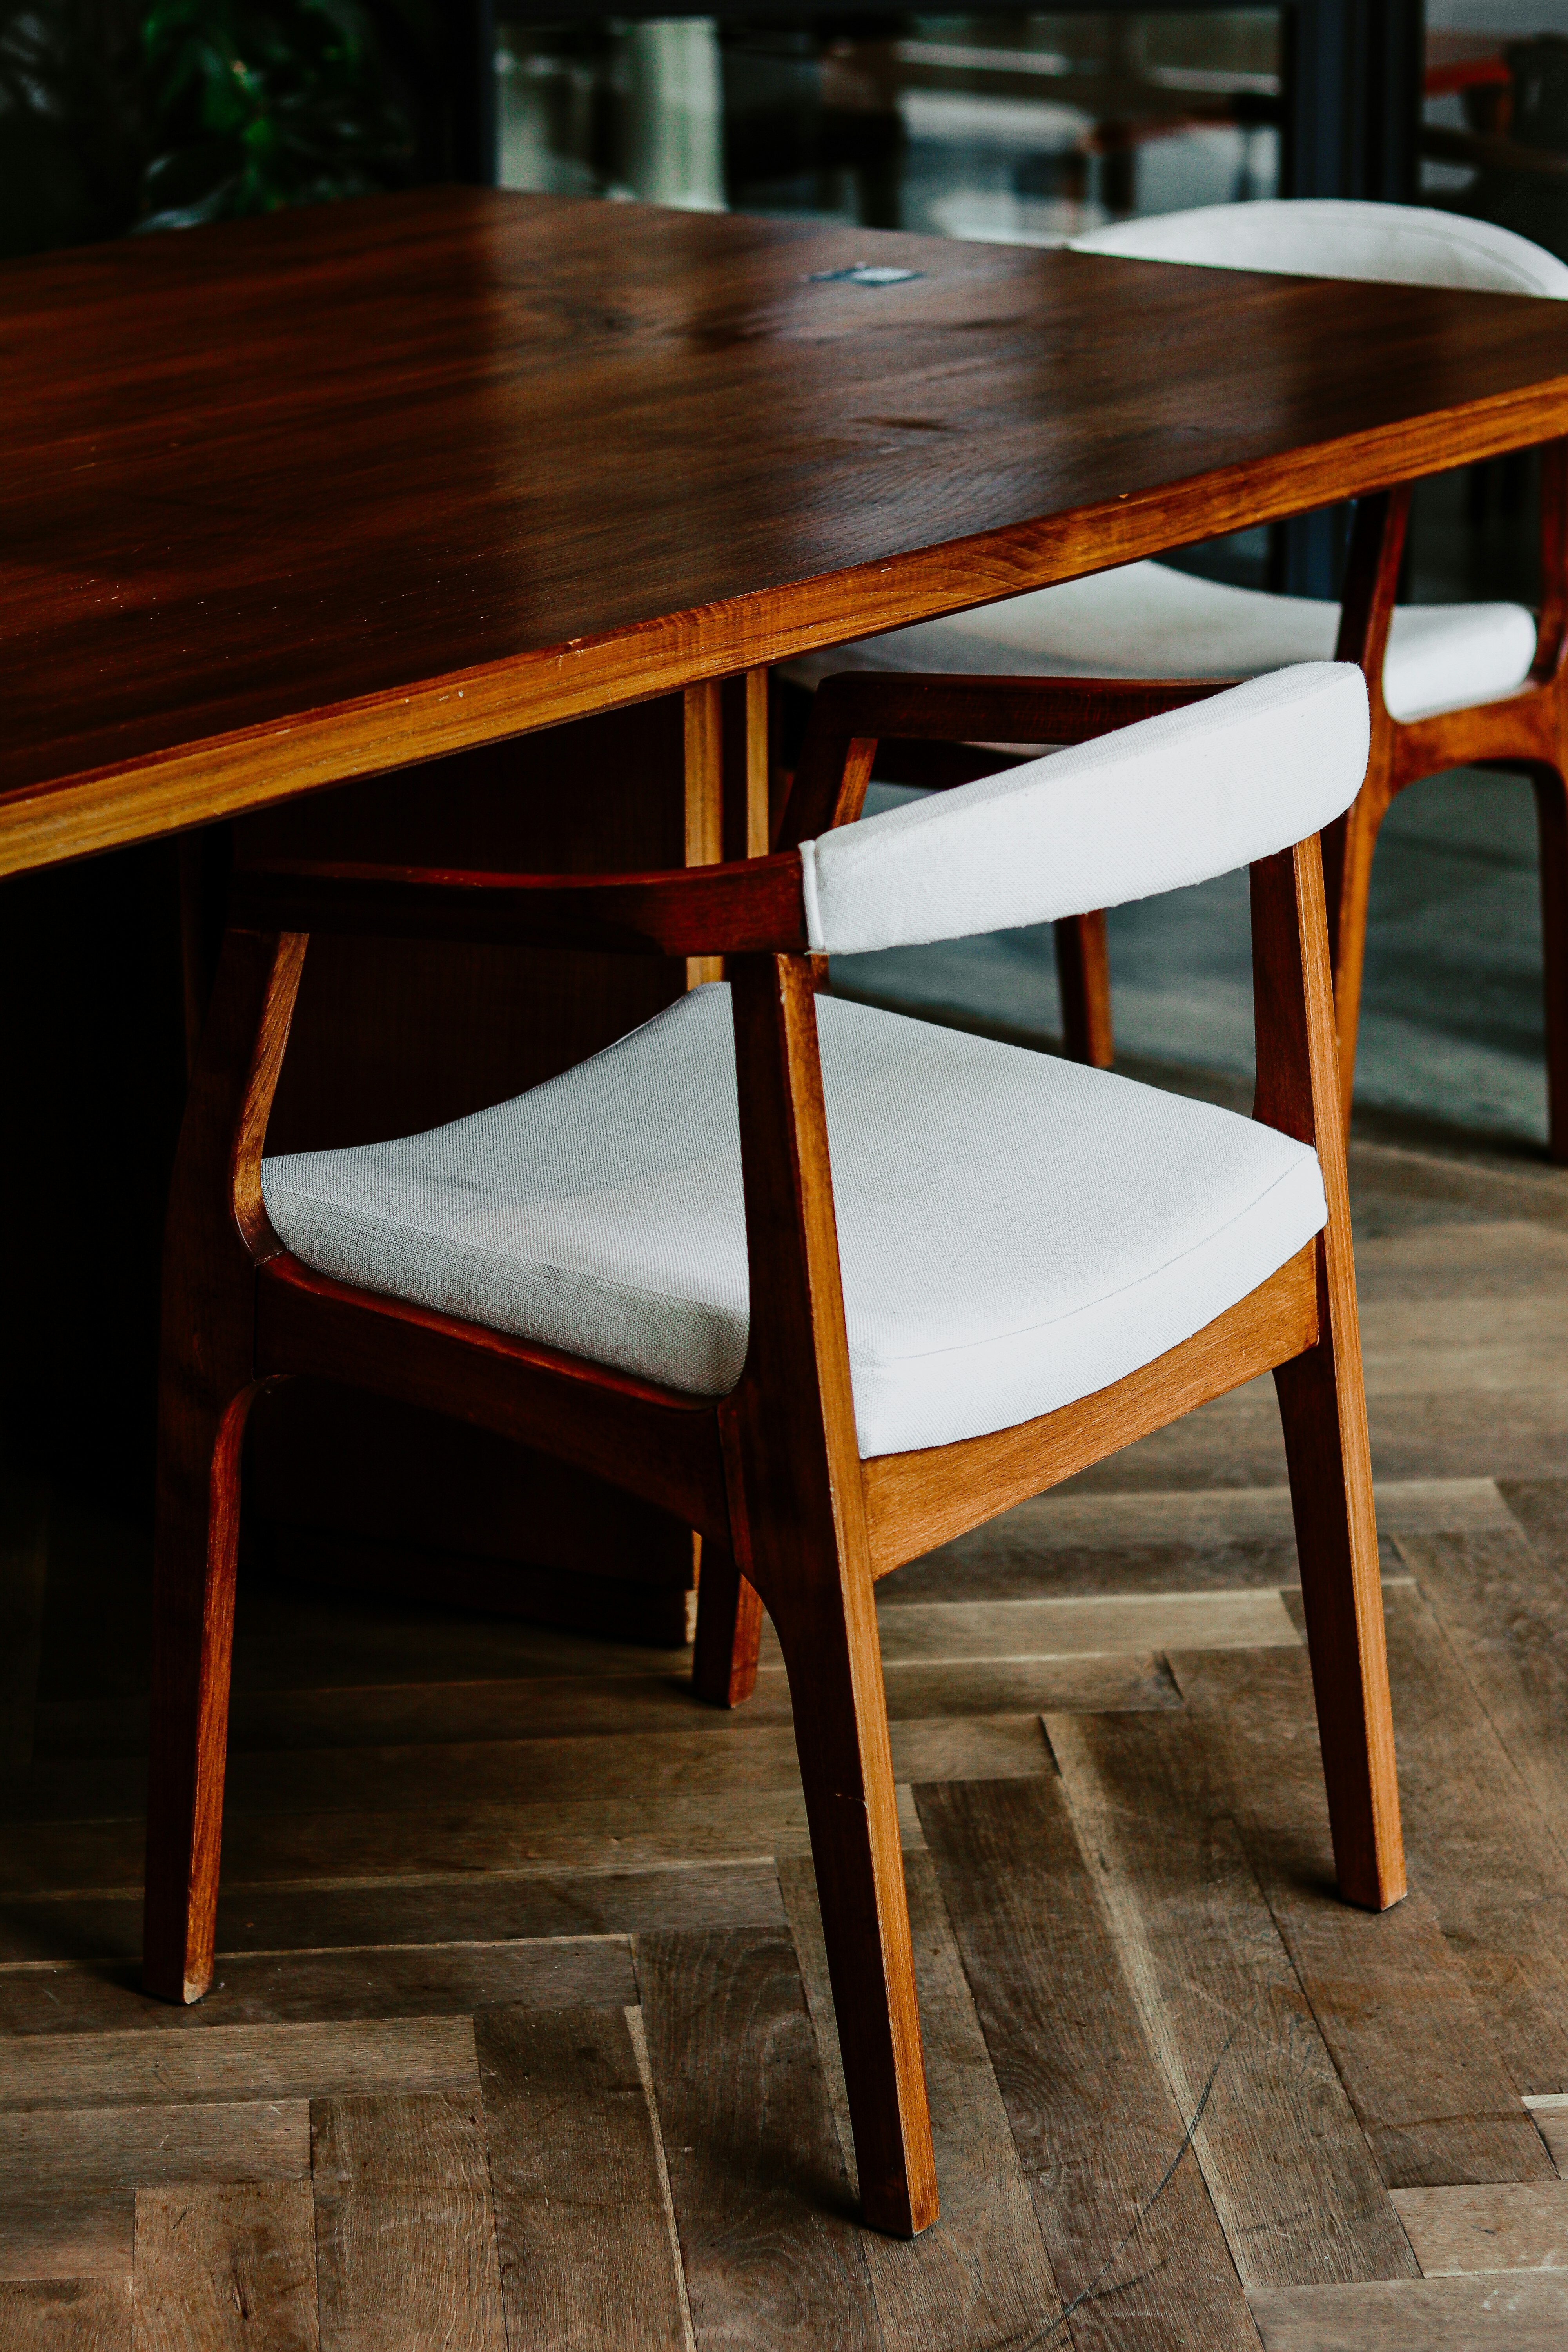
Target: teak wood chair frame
point(770, 1476)
point(1523, 732)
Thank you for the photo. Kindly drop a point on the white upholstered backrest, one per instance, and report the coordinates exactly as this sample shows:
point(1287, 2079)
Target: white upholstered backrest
point(1170, 800)
point(1333, 237)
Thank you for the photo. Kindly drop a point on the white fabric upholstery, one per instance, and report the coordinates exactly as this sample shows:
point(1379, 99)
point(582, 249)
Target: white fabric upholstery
point(1152, 807)
point(1015, 1232)
point(1144, 620)
point(1338, 236)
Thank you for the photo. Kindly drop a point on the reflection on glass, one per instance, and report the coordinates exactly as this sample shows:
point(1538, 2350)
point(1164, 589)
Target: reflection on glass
point(1022, 128)
point(1494, 136)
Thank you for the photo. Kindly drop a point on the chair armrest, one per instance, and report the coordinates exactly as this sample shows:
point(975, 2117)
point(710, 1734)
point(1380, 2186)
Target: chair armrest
point(856, 709)
point(747, 909)
point(1173, 798)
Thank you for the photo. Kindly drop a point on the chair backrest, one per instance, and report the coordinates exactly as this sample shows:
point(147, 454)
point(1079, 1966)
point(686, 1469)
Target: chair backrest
point(1173, 799)
point(1332, 237)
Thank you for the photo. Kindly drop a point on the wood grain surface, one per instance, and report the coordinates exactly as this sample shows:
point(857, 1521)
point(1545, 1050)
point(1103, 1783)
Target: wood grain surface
point(587, 2259)
point(79, 2315)
point(1517, 2226)
point(1215, 1988)
point(1481, 2315)
point(69, 2179)
point(1391, 1999)
point(226, 2269)
point(982, 2280)
point(406, 2250)
point(312, 496)
point(773, 2252)
point(1098, 2126)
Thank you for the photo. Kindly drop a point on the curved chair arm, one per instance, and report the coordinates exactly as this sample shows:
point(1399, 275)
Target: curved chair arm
point(1193, 792)
point(747, 909)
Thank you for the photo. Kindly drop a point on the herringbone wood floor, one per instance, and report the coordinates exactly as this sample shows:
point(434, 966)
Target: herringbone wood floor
point(521, 2033)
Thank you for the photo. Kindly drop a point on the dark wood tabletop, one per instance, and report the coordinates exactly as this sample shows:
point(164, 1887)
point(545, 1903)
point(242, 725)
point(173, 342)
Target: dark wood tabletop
point(299, 499)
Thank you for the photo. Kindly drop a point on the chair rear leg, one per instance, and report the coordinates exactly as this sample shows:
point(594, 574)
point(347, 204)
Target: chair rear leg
point(1083, 977)
point(829, 1641)
point(1348, 847)
point(1323, 1411)
point(1552, 817)
point(728, 1631)
point(193, 1636)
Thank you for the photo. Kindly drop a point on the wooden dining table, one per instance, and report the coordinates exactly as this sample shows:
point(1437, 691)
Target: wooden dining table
point(464, 525)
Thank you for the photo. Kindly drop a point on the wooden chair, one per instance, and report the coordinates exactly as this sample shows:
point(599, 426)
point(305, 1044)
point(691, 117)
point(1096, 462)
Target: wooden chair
point(1451, 685)
point(825, 1361)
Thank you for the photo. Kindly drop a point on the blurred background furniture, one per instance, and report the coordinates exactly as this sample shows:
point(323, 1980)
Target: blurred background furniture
point(1447, 683)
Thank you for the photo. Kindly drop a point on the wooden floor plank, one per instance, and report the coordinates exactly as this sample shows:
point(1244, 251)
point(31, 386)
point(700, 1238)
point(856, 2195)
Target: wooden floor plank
point(537, 1775)
point(1093, 2116)
point(1289, 2169)
point(512, 1840)
point(1411, 2016)
point(982, 2277)
point(769, 2236)
point(1479, 2314)
point(1440, 1428)
point(388, 1715)
point(1396, 1187)
point(1505, 1611)
point(586, 2259)
point(1506, 1259)
point(486, 1910)
point(1514, 2227)
point(281, 1988)
point(405, 2251)
point(1498, 1883)
point(235, 2062)
point(1065, 1543)
point(1022, 1629)
point(1540, 1505)
point(750, 1753)
point(1549, 2116)
point(68, 2178)
point(226, 2269)
point(91, 2314)
point(1428, 1345)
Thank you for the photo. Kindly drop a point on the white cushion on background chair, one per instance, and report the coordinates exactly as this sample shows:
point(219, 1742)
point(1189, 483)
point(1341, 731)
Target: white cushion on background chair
point(1145, 620)
point(1340, 236)
point(1152, 807)
point(1015, 1231)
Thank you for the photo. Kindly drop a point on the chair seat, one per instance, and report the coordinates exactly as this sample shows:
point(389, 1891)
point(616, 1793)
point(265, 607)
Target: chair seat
point(1015, 1231)
point(1145, 620)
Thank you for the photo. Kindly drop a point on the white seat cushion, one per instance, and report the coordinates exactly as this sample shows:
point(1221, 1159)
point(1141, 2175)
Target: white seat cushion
point(1015, 1231)
point(1144, 620)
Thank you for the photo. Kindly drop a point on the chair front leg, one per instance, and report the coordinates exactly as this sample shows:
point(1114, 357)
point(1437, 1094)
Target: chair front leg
point(826, 1621)
point(797, 1510)
point(216, 1233)
point(1322, 1404)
